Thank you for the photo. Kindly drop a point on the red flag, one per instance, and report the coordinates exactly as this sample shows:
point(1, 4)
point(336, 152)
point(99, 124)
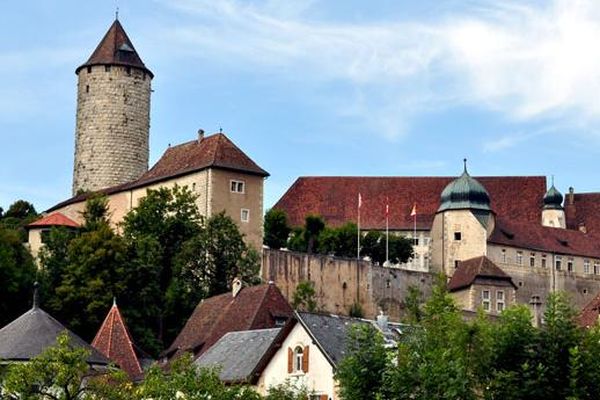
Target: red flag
point(413, 213)
point(359, 200)
point(387, 207)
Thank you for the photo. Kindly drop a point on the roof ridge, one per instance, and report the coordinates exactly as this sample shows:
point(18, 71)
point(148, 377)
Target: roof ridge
point(260, 305)
point(128, 338)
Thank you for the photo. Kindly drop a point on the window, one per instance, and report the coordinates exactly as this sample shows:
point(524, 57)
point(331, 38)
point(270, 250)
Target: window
point(89, 70)
point(87, 88)
point(500, 301)
point(107, 68)
point(456, 263)
point(457, 236)
point(415, 241)
point(504, 256)
point(596, 268)
point(298, 358)
point(485, 300)
point(519, 258)
point(586, 266)
point(558, 263)
point(237, 186)
point(543, 261)
point(245, 215)
point(570, 265)
point(128, 71)
point(426, 241)
point(532, 260)
point(193, 186)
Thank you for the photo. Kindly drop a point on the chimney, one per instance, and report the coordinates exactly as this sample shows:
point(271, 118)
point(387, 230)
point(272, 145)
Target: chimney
point(200, 135)
point(571, 196)
point(382, 321)
point(236, 286)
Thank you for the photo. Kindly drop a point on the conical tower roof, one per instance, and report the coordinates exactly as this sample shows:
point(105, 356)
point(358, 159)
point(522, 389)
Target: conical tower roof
point(30, 334)
point(115, 49)
point(465, 193)
point(114, 341)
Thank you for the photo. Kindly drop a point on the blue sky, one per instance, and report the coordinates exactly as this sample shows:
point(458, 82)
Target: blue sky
point(348, 87)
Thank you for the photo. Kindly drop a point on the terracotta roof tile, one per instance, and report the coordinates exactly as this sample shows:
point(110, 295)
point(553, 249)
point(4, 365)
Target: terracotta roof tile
point(215, 151)
point(590, 313)
point(584, 211)
point(114, 341)
point(254, 307)
point(479, 267)
point(54, 219)
point(335, 198)
point(115, 48)
point(534, 236)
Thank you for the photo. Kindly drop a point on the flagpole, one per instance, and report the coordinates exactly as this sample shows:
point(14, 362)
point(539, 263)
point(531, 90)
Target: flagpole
point(358, 229)
point(387, 231)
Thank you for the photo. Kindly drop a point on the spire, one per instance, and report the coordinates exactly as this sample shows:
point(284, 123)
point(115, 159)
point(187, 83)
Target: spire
point(115, 48)
point(36, 296)
point(465, 166)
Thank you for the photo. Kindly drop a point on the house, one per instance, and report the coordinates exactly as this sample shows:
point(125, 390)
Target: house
point(479, 282)
point(114, 341)
point(39, 230)
point(304, 353)
point(33, 332)
point(244, 308)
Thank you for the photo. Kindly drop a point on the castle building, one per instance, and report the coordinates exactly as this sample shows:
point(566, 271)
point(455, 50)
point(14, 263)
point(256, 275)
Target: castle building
point(540, 240)
point(111, 151)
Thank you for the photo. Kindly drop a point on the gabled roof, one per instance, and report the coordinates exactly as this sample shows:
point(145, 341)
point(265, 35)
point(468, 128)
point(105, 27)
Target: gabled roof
point(255, 307)
point(590, 313)
point(54, 219)
point(335, 199)
point(240, 355)
point(115, 48)
point(215, 151)
point(471, 270)
point(30, 334)
point(114, 341)
point(543, 238)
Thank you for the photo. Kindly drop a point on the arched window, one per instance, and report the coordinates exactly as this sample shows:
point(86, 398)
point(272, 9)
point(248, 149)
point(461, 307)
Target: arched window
point(298, 358)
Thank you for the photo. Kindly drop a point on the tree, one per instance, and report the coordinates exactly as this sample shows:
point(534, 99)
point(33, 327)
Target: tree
point(313, 227)
point(341, 242)
point(304, 297)
point(58, 373)
point(17, 274)
point(361, 373)
point(412, 305)
point(95, 213)
point(373, 245)
point(277, 230)
point(21, 210)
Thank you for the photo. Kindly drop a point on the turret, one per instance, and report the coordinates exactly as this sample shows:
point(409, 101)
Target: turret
point(113, 115)
point(553, 213)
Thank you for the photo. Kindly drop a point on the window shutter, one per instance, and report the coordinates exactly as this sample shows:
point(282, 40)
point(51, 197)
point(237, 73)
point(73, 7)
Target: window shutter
point(323, 397)
point(290, 360)
point(305, 360)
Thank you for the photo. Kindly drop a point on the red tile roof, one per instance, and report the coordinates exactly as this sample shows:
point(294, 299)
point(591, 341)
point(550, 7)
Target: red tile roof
point(583, 211)
point(590, 313)
point(254, 307)
point(115, 48)
point(114, 342)
point(214, 151)
point(479, 267)
point(54, 219)
point(534, 236)
point(335, 198)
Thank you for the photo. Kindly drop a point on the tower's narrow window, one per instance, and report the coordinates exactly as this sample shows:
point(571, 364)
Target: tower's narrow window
point(107, 68)
point(128, 70)
point(89, 70)
point(457, 236)
point(87, 88)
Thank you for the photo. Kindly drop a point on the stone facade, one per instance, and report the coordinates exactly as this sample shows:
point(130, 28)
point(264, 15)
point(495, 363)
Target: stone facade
point(113, 122)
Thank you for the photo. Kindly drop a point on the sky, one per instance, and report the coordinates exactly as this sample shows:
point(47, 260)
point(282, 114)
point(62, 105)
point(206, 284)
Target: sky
point(319, 87)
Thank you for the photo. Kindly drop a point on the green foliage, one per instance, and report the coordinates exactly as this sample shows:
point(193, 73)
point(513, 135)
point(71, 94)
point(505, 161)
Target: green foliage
point(340, 241)
point(296, 241)
point(17, 274)
point(373, 245)
point(313, 227)
point(277, 230)
point(95, 213)
point(412, 304)
point(18, 215)
point(361, 372)
point(287, 391)
point(58, 373)
point(304, 297)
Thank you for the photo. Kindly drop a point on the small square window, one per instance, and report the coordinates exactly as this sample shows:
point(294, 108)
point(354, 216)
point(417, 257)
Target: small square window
point(543, 261)
point(504, 256)
point(237, 186)
point(89, 70)
point(245, 215)
point(415, 241)
point(456, 264)
point(519, 258)
point(586, 266)
point(570, 265)
point(485, 300)
point(596, 269)
point(457, 236)
point(107, 68)
point(558, 263)
point(532, 260)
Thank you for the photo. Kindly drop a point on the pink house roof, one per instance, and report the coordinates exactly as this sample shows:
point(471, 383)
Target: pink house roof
point(54, 219)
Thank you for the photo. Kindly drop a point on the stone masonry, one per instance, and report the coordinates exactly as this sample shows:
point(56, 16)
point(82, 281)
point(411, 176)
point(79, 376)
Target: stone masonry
point(113, 122)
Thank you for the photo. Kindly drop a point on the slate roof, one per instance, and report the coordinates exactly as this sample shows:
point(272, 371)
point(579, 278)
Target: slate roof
point(239, 354)
point(590, 313)
point(114, 341)
point(214, 151)
point(335, 198)
point(469, 271)
point(543, 238)
point(115, 48)
point(31, 333)
point(330, 332)
point(54, 219)
point(255, 307)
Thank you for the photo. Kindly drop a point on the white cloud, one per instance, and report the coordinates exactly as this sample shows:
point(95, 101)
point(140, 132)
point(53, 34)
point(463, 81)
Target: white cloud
point(523, 61)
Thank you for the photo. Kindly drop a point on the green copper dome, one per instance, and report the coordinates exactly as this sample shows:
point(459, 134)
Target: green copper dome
point(553, 199)
point(465, 193)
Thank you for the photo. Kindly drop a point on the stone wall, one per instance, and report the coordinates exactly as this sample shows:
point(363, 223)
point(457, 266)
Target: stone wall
point(341, 282)
point(113, 122)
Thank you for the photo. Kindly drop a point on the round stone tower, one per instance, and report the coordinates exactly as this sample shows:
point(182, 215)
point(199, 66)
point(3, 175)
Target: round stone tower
point(113, 115)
